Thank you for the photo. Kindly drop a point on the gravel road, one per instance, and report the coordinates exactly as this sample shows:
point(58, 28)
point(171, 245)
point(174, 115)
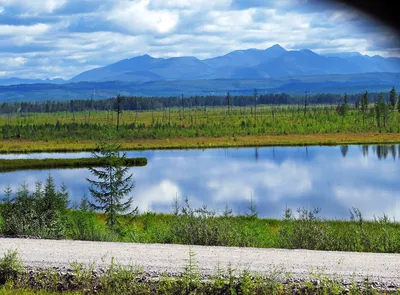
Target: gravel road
point(157, 258)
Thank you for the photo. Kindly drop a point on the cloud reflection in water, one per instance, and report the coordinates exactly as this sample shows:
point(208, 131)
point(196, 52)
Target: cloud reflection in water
point(332, 178)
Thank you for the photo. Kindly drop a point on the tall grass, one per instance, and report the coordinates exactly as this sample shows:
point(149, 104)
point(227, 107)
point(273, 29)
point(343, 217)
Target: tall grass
point(306, 230)
point(209, 123)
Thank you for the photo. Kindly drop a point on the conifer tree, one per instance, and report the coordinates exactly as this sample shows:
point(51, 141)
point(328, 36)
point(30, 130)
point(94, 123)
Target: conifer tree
point(112, 184)
point(392, 99)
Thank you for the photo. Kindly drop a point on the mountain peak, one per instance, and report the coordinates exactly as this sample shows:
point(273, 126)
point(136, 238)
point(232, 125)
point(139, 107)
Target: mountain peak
point(145, 56)
point(276, 46)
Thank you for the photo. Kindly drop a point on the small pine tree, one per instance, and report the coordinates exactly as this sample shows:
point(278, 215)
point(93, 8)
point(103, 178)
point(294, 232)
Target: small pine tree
point(112, 184)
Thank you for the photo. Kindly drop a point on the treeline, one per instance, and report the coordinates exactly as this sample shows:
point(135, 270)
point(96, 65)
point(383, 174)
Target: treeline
point(139, 103)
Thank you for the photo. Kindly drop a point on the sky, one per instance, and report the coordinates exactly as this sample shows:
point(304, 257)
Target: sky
point(62, 38)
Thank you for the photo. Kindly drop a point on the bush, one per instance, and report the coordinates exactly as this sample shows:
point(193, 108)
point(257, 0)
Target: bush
point(10, 266)
point(40, 213)
point(305, 232)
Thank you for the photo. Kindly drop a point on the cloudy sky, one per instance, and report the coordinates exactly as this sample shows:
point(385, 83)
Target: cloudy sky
point(61, 38)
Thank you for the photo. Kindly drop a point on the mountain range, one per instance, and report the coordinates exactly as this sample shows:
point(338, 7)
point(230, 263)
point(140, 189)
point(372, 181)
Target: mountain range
point(240, 64)
point(272, 62)
point(273, 70)
point(18, 81)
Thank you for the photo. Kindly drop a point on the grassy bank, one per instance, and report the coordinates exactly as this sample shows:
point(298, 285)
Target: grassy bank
point(37, 164)
point(303, 230)
point(117, 279)
point(28, 146)
point(199, 128)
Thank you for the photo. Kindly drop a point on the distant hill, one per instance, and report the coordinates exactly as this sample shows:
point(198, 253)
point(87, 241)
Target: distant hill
point(17, 81)
point(350, 83)
point(240, 64)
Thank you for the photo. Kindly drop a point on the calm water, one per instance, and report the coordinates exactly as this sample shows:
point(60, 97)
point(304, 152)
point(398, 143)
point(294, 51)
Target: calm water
point(332, 178)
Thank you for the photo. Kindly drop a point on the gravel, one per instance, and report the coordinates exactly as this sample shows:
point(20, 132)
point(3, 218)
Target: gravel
point(154, 259)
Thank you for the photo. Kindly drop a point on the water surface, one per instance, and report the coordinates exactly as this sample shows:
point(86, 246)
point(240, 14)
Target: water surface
point(331, 178)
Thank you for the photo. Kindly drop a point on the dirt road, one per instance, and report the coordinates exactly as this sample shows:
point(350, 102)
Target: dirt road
point(157, 258)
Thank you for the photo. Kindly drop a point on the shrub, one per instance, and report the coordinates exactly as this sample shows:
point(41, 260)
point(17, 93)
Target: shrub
point(10, 266)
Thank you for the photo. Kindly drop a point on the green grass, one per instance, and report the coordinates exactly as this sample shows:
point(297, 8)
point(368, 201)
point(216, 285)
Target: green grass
point(305, 230)
point(118, 279)
point(37, 164)
point(300, 232)
point(197, 127)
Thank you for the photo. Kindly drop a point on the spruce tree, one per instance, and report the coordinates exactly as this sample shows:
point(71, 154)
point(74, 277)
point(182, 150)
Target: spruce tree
point(392, 99)
point(112, 184)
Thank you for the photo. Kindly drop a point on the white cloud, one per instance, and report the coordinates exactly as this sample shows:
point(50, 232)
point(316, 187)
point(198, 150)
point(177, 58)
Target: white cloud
point(110, 30)
point(135, 17)
point(198, 5)
point(162, 193)
point(367, 199)
point(35, 6)
point(9, 30)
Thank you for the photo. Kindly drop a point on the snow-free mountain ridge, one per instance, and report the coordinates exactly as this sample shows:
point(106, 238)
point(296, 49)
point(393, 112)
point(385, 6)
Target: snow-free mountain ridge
point(240, 64)
point(272, 62)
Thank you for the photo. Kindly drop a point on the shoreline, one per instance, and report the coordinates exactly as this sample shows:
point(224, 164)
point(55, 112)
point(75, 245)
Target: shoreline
point(327, 139)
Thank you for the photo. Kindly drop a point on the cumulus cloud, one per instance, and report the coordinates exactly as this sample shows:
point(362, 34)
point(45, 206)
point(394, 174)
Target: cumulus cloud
point(35, 7)
point(37, 29)
point(136, 17)
point(62, 38)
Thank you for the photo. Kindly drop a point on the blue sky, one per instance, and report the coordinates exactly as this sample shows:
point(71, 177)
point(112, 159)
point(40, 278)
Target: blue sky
point(61, 38)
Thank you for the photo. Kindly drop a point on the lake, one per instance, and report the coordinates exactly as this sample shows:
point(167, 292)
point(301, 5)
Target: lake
point(334, 179)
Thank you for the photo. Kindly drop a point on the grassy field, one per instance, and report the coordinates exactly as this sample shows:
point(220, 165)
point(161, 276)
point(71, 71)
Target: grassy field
point(198, 128)
point(38, 164)
point(29, 146)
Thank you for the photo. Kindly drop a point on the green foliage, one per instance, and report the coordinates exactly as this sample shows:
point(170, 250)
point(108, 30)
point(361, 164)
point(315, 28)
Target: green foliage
point(7, 165)
point(398, 103)
point(40, 213)
point(10, 266)
point(304, 232)
point(197, 121)
point(392, 99)
point(111, 186)
point(191, 274)
point(118, 279)
point(381, 111)
point(84, 225)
